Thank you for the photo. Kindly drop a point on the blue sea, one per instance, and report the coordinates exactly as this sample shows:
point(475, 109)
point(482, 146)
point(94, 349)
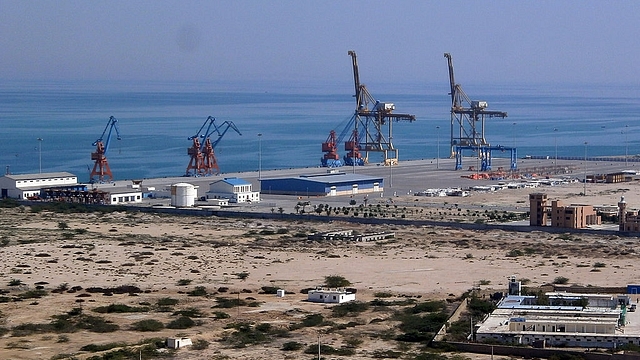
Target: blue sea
point(156, 118)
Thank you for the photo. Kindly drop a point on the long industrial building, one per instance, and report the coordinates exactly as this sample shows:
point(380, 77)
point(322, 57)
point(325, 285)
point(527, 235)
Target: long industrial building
point(328, 184)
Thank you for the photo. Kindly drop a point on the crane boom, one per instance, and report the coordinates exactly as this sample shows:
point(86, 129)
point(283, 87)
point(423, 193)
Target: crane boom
point(101, 171)
point(356, 74)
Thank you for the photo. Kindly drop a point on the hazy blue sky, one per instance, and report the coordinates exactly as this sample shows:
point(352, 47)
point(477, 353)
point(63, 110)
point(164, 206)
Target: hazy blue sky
point(400, 40)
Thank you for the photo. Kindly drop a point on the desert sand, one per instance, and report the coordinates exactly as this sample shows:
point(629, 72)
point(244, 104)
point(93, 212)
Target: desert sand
point(158, 252)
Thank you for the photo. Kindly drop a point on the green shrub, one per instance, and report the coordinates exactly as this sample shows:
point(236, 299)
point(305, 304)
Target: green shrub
point(184, 282)
point(383, 294)
point(120, 308)
point(560, 280)
point(103, 347)
point(96, 324)
point(147, 325)
point(329, 350)
point(190, 312)
point(350, 308)
point(33, 294)
point(200, 344)
point(198, 291)
point(291, 346)
point(226, 303)
point(336, 281)
point(312, 320)
point(183, 322)
point(220, 315)
point(428, 306)
point(167, 301)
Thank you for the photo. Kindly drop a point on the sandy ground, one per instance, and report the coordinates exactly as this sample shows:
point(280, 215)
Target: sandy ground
point(154, 252)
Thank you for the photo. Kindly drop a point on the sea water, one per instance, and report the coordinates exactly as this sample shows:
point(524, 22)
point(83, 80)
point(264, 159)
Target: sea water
point(155, 120)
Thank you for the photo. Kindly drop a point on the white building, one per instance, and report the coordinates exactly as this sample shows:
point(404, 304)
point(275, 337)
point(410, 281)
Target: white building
point(330, 296)
point(571, 320)
point(177, 343)
point(235, 189)
point(28, 185)
point(124, 196)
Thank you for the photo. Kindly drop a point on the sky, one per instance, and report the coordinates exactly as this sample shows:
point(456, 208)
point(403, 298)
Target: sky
point(497, 41)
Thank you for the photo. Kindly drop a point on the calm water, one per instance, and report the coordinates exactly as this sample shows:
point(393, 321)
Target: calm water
point(155, 120)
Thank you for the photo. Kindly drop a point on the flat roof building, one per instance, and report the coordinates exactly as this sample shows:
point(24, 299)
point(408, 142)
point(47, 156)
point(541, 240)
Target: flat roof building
point(327, 184)
point(25, 186)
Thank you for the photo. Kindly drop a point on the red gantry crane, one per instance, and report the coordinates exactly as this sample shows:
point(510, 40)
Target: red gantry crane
point(203, 158)
point(101, 171)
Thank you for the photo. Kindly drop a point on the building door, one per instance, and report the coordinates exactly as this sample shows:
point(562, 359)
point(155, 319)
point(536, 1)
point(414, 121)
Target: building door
point(5, 193)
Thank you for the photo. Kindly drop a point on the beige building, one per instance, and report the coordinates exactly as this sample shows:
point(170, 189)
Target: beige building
point(563, 216)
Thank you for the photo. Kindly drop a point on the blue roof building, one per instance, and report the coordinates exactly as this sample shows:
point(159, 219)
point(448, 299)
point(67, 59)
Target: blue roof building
point(329, 184)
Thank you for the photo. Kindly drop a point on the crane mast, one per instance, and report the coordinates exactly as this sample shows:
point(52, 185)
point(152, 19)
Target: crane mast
point(101, 171)
point(373, 129)
point(203, 160)
point(468, 125)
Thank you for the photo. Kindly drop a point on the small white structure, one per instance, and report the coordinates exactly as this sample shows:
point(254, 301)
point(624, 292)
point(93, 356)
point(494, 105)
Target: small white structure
point(183, 195)
point(280, 293)
point(177, 343)
point(124, 196)
point(28, 185)
point(235, 189)
point(337, 296)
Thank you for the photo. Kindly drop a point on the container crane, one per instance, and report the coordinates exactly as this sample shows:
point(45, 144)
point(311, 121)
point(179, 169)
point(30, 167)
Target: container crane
point(101, 171)
point(467, 125)
point(203, 158)
point(331, 157)
point(370, 118)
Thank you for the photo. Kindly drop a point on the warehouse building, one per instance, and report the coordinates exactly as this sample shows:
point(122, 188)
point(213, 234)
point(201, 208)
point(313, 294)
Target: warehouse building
point(28, 186)
point(328, 184)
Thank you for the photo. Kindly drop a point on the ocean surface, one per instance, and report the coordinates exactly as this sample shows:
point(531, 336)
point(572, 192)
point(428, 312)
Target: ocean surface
point(155, 119)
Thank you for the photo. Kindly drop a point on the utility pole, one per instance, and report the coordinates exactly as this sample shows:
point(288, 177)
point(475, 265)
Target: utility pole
point(390, 169)
point(260, 156)
point(438, 157)
point(40, 154)
point(555, 137)
point(584, 191)
point(626, 145)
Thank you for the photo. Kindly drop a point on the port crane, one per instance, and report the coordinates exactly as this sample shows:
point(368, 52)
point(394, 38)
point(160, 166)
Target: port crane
point(370, 119)
point(331, 158)
point(203, 158)
point(101, 171)
point(468, 124)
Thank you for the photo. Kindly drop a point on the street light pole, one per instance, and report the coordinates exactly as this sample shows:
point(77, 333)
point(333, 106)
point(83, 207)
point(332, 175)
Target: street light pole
point(259, 156)
point(40, 154)
point(584, 188)
point(438, 157)
point(390, 168)
point(555, 137)
point(626, 145)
